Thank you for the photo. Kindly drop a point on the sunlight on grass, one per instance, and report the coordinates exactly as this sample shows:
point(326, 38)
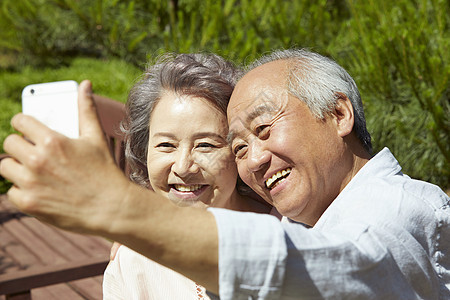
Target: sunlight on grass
point(111, 78)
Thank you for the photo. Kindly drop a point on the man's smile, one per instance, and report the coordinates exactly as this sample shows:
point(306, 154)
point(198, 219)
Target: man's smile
point(276, 178)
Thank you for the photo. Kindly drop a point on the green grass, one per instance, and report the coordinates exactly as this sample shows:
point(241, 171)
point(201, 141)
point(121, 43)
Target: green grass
point(111, 78)
point(397, 52)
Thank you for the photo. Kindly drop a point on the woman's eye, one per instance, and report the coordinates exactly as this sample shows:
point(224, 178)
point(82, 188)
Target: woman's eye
point(165, 145)
point(206, 145)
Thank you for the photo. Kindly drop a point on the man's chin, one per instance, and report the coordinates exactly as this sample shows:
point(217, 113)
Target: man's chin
point(291, 209)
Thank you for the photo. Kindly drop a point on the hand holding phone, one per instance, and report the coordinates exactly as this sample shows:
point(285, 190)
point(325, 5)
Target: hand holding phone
point(55, 104)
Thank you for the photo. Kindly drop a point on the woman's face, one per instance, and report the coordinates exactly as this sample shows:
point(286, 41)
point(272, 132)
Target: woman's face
point(189, 160)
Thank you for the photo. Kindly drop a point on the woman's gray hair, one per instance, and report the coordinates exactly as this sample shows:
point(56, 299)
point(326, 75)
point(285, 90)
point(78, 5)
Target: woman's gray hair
point(317, 81)
point(201, 75)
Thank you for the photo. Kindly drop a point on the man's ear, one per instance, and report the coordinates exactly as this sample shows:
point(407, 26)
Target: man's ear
point(343, 115)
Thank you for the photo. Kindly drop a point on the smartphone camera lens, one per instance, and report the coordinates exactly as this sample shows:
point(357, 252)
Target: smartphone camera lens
point(32, 91)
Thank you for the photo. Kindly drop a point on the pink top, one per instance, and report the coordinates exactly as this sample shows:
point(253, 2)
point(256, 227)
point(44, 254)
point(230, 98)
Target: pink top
point(133, 276)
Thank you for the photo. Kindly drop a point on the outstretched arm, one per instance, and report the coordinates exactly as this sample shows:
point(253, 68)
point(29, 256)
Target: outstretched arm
point(75, 184)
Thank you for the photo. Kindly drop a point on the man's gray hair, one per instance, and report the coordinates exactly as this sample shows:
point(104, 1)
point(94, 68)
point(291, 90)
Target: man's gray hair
point(317, 81)
point(201, 75)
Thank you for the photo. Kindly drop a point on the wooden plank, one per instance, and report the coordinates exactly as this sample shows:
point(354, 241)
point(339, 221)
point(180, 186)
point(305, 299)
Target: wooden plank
point(58, 292)
point(60, 245)
point(89, 244)
point(43, 293)
point(88, 288)
point(42, 251)
point(16, 251)
point(55, 240)
point(106, 244)
point(20, 296)
point(47, 275)
point(7, 264)
point(99, 279)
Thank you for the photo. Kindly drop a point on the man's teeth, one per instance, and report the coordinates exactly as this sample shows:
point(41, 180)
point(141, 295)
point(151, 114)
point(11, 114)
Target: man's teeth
point(187, 188)
point(276, 177)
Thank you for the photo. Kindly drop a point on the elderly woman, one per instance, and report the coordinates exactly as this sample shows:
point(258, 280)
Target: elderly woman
point(176, 144)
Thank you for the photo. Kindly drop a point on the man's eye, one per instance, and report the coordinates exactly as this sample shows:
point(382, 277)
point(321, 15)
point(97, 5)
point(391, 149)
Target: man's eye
point(262, 130)
point(239, 150)
point(165, 145)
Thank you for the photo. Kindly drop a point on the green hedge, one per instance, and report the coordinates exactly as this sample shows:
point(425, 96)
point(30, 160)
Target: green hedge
point(397, 51)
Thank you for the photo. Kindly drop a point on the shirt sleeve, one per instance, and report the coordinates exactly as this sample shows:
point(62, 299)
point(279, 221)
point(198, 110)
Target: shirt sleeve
point(262, 258)
point(239, 250)
point(113, 281)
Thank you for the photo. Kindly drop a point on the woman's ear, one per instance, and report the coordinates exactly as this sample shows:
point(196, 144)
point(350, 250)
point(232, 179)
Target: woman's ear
point(343, 115)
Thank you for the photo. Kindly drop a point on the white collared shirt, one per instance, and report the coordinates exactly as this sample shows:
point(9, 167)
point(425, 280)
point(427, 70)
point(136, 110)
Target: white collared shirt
point(386, 236)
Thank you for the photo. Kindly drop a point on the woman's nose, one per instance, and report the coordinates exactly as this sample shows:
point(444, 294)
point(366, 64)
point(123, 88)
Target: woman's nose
point(185, 164)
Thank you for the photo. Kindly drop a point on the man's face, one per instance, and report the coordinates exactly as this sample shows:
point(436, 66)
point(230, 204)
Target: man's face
point(283, 152)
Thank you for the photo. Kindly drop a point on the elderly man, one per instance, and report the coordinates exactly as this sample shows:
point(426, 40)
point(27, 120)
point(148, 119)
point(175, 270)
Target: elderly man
point(298, 132)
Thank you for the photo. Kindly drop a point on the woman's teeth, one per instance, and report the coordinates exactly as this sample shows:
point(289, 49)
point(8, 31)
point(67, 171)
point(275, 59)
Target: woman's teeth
point(187, 188)
point(277, 177)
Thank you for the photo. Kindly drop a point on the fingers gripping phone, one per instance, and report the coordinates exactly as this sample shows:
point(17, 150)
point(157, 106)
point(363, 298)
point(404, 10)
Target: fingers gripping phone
point(55, 104)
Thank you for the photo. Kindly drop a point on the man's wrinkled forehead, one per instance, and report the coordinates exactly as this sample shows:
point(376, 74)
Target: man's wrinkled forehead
point(262, 103)
point(258, 94)
point(258, 88)
point(240, 117)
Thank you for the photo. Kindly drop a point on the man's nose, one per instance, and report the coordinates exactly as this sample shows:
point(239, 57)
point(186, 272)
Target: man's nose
point(184, 164)
point(258, 156)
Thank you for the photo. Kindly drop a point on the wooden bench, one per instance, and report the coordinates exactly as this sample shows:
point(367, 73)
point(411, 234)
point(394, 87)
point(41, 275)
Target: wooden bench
point(41, 262)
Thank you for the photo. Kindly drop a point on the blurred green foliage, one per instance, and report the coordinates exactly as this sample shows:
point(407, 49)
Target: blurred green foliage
point(397, 52)
point(52, 31)
point(401, 58)
point(112, 78)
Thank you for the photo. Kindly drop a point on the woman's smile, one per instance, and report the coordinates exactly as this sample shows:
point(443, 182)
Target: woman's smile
point(187, 191)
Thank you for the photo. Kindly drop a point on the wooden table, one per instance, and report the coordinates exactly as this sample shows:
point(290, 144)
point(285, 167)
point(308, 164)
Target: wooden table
point(53, 263)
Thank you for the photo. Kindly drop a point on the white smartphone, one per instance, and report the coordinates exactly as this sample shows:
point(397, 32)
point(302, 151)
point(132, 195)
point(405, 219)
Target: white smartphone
point(55, 104)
